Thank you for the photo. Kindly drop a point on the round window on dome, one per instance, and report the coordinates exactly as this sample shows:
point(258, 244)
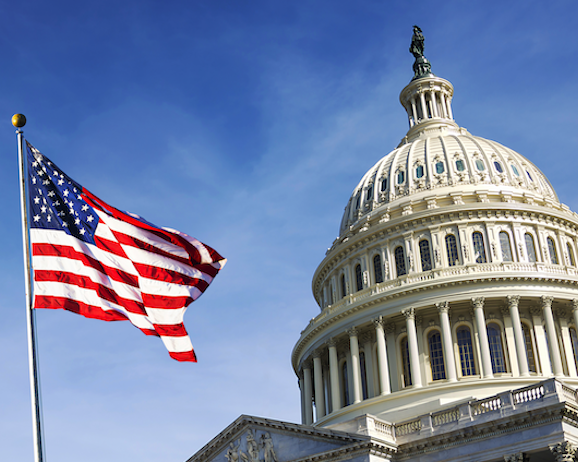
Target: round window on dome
point(460, 166)
point(498, 166)
point(383, 184)
point(400, 177)
point(515, 170)
point(440, 167)
point(480, 165)
point(419, 171)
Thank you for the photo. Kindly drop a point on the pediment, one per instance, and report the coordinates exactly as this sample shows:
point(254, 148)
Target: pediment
point(254, 439)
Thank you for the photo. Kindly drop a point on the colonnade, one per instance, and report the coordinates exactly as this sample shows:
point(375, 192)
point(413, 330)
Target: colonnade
point(419, 106)
point(322, 383)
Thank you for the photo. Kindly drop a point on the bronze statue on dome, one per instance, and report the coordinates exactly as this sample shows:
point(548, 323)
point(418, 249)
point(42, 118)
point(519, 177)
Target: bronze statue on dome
point(421, 66)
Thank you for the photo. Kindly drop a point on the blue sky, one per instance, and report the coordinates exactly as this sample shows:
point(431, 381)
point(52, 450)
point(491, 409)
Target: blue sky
point(246, 125)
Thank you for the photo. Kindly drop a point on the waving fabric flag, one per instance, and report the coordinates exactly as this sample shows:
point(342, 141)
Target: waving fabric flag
point(102, 263)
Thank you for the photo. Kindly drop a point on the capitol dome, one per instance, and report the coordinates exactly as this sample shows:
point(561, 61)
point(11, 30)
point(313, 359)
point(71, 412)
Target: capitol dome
point(453, 278)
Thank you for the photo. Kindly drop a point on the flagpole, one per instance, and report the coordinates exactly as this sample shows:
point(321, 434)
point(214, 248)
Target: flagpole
point(19, 121)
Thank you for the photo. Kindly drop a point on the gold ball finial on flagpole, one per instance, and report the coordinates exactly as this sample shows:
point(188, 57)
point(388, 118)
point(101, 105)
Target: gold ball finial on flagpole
point(18, 120)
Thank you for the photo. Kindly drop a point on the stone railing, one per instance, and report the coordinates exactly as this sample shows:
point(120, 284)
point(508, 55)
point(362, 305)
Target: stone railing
point(472, 411)
point(442, 273)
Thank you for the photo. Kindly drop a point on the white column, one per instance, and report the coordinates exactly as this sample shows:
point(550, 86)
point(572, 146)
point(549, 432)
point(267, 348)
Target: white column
point(368, 353)
point(510, 350)
point(355, 372)
point(434, 104)
point(443, 309)
point(449, 106)
point(391, 356)
point(423, 106)
point(308, 395)
point(478, 304)
point(513, 301)
point(334, 375)
point(414, 111)
point(543, 355)
point(409, 314)
point(552, 336)
point(318, 386)
point(382, 372)
point(567, 342)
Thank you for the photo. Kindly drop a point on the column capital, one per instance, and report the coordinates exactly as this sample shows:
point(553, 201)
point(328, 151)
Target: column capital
point(478, 302)
point(331, 342)
point(353, 332)
point(378, 322)
point(443, 307)
point(513, 300)
point(563, 452)
point(574, 304)
point(317, 353)
point(409, 312)
point(306, 364)
point(547, 301)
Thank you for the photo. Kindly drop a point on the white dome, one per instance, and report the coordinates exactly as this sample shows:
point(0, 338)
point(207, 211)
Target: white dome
point(447, 223)
point(439, 159)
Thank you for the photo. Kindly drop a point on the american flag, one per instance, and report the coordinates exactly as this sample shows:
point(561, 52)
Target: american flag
point(97, 261)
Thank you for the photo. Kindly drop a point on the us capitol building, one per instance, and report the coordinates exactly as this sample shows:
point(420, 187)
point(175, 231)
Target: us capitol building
point(449, 310)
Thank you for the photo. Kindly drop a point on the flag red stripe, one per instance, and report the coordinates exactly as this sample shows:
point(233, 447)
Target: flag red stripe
point(66, 251)
point(88, 311)
point(166, 302)
point(171, 330)
point(109, 246)
point(184, 356)
point(167, 275)
point(104, 292)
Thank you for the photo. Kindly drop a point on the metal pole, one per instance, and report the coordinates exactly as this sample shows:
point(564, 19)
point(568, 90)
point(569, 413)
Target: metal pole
point(19, 120)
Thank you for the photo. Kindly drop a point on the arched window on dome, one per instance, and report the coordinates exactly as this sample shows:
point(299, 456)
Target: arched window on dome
point(405, 362)
point(505, 246)
point(496, 348)
point(436, 355)
point(479, 247)
point(466, 350)
point(552, 251)
point(358, 278)
point(571, 260)
point(343, 286)
point(425, 255)
point(377, 269)
point(574, 339)
point(530, 247)
point(419, 172)
point(331, 300)
point(363, 371)
point(344, 385)
point(460, 166)
point(369, 195)
point(358, 200)
point(452, 249)
point(399, 255)
point(383, 184)
point(530, 352)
